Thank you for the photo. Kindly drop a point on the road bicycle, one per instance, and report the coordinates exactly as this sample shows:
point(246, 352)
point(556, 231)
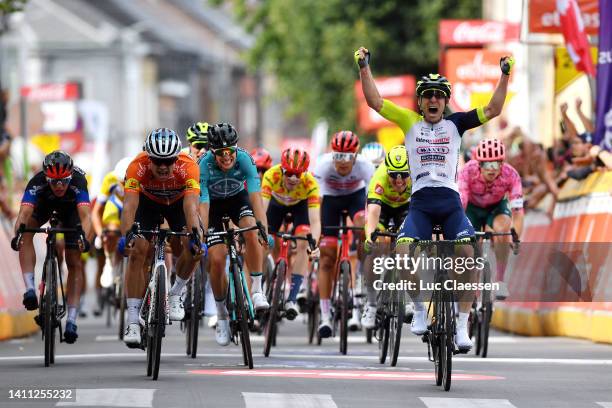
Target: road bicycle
point(194, 301)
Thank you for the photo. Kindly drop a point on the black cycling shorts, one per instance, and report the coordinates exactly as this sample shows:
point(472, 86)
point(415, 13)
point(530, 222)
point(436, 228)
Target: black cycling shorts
point(151, 214)
point(332, 207)
point(68, 217)
point(276, 214)
point(392, 216)
point(235, 207)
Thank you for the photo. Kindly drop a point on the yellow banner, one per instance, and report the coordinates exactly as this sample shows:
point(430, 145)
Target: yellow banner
point(565, 71)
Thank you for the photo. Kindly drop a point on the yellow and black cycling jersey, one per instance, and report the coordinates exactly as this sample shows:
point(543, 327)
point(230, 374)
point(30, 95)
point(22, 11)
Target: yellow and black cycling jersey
point(380, 190)
point(111, 196)
point(272, 186)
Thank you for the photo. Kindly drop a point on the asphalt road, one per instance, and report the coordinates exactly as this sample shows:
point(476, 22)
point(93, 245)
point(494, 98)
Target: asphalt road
point(520, 372)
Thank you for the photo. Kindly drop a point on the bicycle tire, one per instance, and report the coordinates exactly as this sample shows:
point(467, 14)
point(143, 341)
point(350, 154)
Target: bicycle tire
point(437, 338)
point(47, 310)
point(395, 328)
point(447, 350)
point(160, 320)
point(487, 312)
point(108, 306)
point(345, 271)
point(243, 318)
point(383, 339)
point(186, 325)
point(278, 277)
point(369, 333)
point(146, 334)
point(196, 307)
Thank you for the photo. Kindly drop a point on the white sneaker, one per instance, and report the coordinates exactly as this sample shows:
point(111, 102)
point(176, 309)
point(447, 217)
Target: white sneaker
point(325, 328)
point(291, 310)
point(177, 310)
point(222, 332)
point(212, 321)
point(502, 293)
point(107, 274)
point(368, 320)
point(408, 312)
point(354, 322)
point(260, 302)
point(419, 322)
point(462, 339)
point(132, 335)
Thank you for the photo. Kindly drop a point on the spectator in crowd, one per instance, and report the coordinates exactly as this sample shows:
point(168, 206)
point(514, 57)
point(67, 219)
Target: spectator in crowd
point(5, 148)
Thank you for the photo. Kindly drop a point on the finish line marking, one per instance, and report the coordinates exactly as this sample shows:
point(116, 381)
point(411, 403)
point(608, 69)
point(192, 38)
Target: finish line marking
point(342, 375)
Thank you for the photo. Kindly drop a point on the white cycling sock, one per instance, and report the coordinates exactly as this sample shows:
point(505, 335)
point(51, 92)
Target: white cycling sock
point(325, 308)
point(419, 306)
point(72, 314)
point(28, 279)
point(133, 309)
point(256, 282)
point(177, 288)
point(462, 320)
point(222, 313)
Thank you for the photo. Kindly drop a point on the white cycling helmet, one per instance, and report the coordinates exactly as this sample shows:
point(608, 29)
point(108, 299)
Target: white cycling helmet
point(121, 168)
point(162, 143)
point(374, 152)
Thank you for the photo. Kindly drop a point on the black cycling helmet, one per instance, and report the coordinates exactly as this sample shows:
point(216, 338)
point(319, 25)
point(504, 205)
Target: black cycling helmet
point(58, 164)
point(222, 135)
point(433, 81)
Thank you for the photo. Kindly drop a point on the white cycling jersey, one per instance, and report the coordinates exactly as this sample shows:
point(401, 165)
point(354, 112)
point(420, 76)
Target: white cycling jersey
point(333, 184)
point(433, 149)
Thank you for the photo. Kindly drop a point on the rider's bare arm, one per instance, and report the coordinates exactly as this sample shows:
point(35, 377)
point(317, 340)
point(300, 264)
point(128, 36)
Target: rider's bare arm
point(496, 103)
point(372, 219)
point(96, 217)
point(314, 215)
point(25, 213)
point(190, 208)
point(85, 217)
point(258, 208)
point(128, 214)
point(368, 86)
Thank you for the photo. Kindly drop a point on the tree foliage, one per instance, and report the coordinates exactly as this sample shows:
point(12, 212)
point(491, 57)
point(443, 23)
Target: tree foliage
point(11, 6)
point(308, 45)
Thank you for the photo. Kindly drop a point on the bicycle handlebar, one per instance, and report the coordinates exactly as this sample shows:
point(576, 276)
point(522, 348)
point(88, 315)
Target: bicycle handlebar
point(294, 238)
point(378, 233)
point(489, 235)
point(16, 241)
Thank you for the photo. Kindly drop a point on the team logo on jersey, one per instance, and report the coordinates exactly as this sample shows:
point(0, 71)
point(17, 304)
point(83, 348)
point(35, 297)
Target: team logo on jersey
point(432, 149)
point(379, 189)
point(132, 184)
point(225, 187)
point(421, 175)
point(433, 158)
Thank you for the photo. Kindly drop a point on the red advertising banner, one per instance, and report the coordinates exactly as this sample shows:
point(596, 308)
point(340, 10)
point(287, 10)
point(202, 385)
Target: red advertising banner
point(473, 74)
point(544, 18)
point(50, 92)
point(477, 32)
point(399, 89)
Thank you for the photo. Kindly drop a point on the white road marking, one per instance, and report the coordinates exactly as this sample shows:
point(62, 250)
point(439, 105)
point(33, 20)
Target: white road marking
point(111, 397)
point(270, 400)
point(465, 403)
point(508, 360)
point(107, 337)
point(25, 340)
point(605, 404)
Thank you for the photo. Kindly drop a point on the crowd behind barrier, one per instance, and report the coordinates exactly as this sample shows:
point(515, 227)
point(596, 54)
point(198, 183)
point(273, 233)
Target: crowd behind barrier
point(581, 226)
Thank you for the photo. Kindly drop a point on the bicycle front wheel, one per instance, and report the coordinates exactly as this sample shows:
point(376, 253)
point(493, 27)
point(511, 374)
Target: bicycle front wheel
point(278, 278)
point(159, 323)
point(345, 272)
point(48, 312)
point(398, 309)
point(446, 347)
point(122, 302)
point(242, 311)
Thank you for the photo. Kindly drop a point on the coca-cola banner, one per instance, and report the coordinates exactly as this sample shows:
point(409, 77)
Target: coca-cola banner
point(544, 18)
point(477, 32)
point(604, 78)
point(473, 74)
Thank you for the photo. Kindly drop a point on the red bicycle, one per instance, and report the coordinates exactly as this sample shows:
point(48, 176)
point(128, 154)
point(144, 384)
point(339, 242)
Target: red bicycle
point(342, 293)
point(275, 291)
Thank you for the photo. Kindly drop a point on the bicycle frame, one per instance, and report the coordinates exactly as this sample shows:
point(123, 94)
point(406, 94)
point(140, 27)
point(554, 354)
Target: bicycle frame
point(159, 260)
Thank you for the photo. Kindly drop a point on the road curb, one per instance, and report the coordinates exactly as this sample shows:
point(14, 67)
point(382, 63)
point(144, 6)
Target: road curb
point(595, 325)
point(17, 324)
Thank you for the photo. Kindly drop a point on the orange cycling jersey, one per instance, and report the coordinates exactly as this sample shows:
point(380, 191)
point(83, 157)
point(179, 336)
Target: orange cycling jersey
point(184, 179)
point(272, 186)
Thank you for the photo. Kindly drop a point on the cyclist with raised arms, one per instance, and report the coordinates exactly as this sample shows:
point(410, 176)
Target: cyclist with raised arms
point(161, 183)
point(374, 152)
point(342, 176)
point(492, 196)
point(289, 188)
point(388, 201)
point(433, 143)
point(224, 169)
point(59, 186)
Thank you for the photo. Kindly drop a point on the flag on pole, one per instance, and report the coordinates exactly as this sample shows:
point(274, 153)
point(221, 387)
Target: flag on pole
point(603, 114)
point(575, 36)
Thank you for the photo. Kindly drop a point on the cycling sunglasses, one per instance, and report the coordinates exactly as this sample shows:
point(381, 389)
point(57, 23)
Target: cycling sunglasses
point(225, 151)
point(63, 181)
point(292, 174)
point(163, 162)
point(399, 174)
point(490, 165)
point(343, 157)
point(428, 94)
